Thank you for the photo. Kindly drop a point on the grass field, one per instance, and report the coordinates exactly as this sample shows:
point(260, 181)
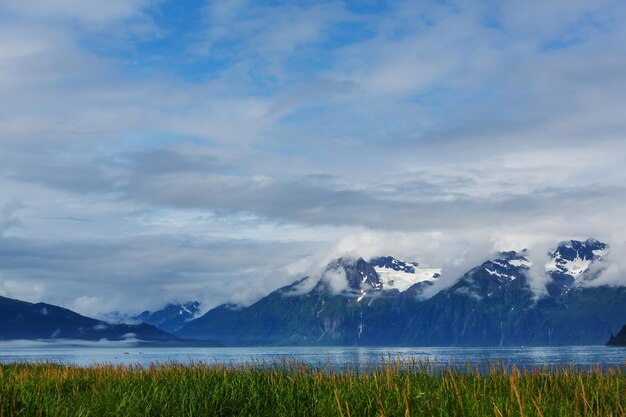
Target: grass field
point(401, 388)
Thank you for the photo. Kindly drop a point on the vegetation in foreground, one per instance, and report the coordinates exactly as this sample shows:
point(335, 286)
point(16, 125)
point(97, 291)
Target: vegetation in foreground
point(401, 388)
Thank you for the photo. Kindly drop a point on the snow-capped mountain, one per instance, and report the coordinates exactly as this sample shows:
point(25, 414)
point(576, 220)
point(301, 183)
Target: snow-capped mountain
point(379, 303)
point(508, 266)
point(496, 277)
point(359, 274)
point(570, 261)
point(361, 278)
point(512, 259)
point(399, 275)
point(171, 317)
point(574, 258)
point(366, 279)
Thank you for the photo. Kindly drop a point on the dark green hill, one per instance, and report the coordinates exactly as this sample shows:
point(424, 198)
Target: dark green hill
point(23, 320)
point(619, 339)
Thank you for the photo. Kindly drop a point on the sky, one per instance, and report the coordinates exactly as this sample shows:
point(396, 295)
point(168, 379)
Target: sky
point(157, 150)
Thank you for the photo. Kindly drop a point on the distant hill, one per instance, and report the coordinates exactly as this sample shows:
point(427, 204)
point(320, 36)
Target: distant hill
point(619, 339)
point(171, 317)
point(24, 320)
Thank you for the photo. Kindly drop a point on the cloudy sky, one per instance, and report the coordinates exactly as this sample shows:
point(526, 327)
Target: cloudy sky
point(158, 150)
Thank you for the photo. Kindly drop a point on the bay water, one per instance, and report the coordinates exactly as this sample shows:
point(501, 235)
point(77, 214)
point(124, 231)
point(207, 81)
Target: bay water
point(523, 357)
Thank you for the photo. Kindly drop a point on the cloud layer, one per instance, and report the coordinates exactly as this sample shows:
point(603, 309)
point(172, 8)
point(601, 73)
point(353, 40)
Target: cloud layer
point(152, 152)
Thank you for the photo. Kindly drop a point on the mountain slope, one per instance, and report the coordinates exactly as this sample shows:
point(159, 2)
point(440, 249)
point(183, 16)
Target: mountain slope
point(619, 339)
point(569, 262)
point(23, 320)
point(400, 275)
point(483, 308)
point(288, 316)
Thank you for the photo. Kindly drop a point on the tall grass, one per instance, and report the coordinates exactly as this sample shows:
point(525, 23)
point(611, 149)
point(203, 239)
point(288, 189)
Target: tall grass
point(291, 388)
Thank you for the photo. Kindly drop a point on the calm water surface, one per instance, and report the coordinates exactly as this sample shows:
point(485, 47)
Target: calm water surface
point(338, 356)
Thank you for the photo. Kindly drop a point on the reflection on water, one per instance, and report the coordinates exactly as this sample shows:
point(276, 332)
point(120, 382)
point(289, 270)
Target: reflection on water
point(337, 356)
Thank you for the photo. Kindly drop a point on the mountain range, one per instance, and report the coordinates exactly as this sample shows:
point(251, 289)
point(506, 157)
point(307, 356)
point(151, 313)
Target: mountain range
point(380, 302)
point(21, 320)
point(383, 301)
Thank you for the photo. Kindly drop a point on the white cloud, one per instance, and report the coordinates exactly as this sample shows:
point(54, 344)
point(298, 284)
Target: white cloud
point(8, 217)
point(86, 11)
point(611, 270)
point(26, 291)
point(336, 279)
point(431, 136)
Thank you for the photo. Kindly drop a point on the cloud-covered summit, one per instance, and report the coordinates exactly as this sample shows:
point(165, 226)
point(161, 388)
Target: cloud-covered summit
point(214, 149)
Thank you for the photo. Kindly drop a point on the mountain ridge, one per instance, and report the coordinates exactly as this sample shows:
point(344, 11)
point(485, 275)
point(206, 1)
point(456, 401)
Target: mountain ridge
point(491, 304)
point(22, 320)
point(171, 317)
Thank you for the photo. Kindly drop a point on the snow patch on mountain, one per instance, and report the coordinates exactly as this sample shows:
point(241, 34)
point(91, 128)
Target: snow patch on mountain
point(184, 311)
point(400, 275)
point(500, 274)
point(508, 266)
point(573, 268)
point(521, 263)
point(574, 258)
point(599, 253)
